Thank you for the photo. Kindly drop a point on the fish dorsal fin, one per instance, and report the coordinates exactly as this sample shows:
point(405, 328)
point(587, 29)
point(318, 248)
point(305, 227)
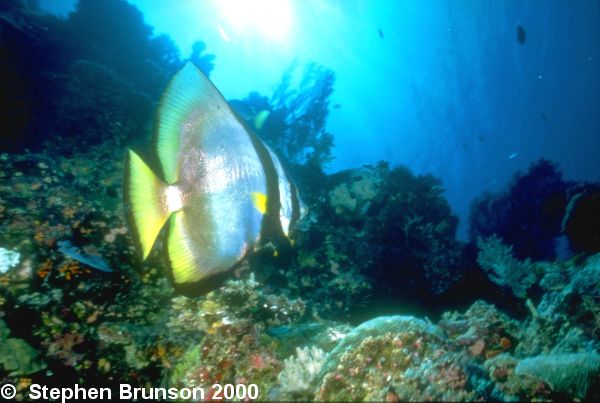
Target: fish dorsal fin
point(188, 105)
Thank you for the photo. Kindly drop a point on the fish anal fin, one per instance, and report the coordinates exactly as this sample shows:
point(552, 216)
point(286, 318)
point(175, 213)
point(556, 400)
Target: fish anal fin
point(181, 256)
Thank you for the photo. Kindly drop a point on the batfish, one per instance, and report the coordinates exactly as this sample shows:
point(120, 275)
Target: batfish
point(219, 190)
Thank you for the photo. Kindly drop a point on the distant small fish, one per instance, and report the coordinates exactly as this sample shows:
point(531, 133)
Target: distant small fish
point(512, 156)
point(481, 138)
point(223, 34)
point(521, 35)
point(544, 116)
point(302, 330)
point(336, 106)
point(73, 252)
point(260, 119)
point(243, 109)
point(380, 32)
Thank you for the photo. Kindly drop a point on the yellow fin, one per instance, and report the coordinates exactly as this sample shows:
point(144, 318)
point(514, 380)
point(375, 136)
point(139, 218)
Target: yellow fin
point(260, 201)
point(180, 252)
point(144, 195)
point(259, 120)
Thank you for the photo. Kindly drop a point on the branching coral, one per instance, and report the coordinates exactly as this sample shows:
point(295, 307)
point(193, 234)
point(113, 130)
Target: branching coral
point(295, 128)
point(301, 372)
point(503, 269)
point(303, 113)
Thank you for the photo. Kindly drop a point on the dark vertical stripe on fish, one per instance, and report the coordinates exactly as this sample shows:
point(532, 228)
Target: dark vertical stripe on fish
point(295, 204)
point(271, 224)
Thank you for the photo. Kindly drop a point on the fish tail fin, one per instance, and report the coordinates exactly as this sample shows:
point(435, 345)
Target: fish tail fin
point(146, 202)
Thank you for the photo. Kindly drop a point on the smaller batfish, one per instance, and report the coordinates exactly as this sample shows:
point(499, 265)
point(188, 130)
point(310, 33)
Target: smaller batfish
point(220, 191)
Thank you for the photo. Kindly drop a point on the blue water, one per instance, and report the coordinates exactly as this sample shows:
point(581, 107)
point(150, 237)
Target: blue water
point(443, 87)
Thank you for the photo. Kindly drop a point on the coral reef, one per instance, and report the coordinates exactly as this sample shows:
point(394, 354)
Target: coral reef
point(68, 304)
point(8, 259)
point(566, 315)
point(482, 330)
point(296, 125)
point(569, 374)
point(498, 261)
point(392, 359)
point(300, 373)
point(376, 233)
point(92, 326)
point(228, 329)
point(16, 356)
point(76, 81)
point(376, 239)
point(581, 223)
point(528, 215)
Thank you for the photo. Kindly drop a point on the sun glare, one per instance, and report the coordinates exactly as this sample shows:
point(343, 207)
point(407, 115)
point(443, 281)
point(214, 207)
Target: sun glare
point(270, 18)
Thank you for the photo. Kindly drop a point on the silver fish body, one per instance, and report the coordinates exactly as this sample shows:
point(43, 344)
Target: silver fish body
point(222, 190)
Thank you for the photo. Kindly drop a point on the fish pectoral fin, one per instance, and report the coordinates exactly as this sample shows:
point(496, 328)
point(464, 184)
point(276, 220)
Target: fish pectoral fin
point(181, 256)
point(259, 200)
point(144, 196)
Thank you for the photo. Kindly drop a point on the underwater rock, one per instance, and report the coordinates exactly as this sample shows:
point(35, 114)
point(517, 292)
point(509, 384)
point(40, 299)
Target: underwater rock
point(582, 221)
point(527, 215)
point(567, 311)
point(378, 326)
point(233, 353)
point(17, 357)
point(394, 358)
point(482, 330)
point(508, 386)
point(570, 374)
point(225, 336)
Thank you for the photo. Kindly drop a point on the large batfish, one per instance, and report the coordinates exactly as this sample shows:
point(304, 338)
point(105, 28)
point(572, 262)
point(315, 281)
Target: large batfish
point(221, 191)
